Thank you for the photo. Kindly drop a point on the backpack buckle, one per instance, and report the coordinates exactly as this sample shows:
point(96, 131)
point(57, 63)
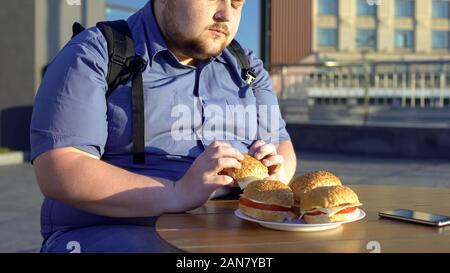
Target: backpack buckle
point(250, 76)
point(117, 59)
point(136, 63)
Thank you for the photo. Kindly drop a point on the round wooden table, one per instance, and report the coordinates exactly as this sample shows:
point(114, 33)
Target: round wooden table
point(214, 228)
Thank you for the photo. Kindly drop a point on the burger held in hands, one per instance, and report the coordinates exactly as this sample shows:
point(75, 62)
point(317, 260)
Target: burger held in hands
point(251, 170)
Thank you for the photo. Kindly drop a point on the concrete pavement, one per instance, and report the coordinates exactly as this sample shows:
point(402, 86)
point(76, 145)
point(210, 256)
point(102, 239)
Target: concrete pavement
point(20, 201)
point(20, 197)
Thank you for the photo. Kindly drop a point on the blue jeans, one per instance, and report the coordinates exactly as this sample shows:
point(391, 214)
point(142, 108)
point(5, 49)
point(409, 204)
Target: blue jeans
point(107, 239)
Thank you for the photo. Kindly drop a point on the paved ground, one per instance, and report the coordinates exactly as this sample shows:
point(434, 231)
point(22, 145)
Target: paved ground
point(20, 201)
point(20, 197)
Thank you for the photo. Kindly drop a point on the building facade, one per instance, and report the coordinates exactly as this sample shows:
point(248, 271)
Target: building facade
point(33, 32)
point(344, 30)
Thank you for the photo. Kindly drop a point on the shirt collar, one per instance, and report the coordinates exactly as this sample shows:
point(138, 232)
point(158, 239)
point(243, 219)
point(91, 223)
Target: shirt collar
point(220, 58)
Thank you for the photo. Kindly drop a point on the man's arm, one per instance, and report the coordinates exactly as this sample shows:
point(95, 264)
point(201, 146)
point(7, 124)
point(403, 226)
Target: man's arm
point(286, 149)
point(82, 180)
point(85, 182)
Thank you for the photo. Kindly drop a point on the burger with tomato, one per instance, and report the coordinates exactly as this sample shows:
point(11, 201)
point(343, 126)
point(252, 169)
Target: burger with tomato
point(267, 200)
point(329, 205)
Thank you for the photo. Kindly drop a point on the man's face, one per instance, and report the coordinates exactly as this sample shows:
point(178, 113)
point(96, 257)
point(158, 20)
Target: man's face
point(200, 29)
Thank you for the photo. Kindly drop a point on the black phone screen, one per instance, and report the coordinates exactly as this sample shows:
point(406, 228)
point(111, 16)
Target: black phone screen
point(416, 215)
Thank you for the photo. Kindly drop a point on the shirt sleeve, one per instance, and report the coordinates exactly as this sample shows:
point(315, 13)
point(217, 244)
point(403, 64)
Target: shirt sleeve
point(70, 107)
point(271, 125)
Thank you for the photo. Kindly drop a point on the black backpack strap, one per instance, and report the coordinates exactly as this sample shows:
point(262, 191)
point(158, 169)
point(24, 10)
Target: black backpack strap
point(137, 103)
point(77, 28)
point(238, 52)
point(124, 63)
point(120, 51)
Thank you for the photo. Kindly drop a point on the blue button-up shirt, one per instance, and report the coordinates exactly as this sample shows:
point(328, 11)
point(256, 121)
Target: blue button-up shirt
point(71, 110)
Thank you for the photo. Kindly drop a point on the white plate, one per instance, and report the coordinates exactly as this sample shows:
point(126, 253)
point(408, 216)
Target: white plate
point(298, 225)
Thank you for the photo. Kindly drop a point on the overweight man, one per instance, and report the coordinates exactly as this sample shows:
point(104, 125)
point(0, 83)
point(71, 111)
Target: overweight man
point(97, 199)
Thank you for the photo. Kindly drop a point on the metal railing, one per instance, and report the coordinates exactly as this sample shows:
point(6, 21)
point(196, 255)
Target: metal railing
point(397, 85)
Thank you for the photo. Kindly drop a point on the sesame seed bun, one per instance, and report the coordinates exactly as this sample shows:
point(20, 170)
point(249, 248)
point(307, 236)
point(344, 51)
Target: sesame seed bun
point(252, 169)
point(328, 197)
point(270, 192)
point(302, 184)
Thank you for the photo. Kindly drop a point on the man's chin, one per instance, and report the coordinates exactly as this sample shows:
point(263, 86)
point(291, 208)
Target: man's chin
point(213, 50)
point(206, 50)
point(207, 54)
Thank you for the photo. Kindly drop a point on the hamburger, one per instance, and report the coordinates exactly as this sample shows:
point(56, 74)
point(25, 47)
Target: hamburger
point(267, 200)
point(302, 184)
point(329, 205)
point(252, 169)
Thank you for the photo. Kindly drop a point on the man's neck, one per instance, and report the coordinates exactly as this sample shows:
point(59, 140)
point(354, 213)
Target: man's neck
point(184, 60)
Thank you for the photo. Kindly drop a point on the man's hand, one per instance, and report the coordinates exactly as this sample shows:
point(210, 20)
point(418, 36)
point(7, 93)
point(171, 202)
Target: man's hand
point(203, 177)
point(268, 155)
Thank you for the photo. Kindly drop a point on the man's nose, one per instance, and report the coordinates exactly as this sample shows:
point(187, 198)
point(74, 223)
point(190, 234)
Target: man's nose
point(224, 11)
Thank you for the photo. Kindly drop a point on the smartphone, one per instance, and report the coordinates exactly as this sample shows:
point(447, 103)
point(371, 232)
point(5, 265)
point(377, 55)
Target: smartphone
point(416, 217)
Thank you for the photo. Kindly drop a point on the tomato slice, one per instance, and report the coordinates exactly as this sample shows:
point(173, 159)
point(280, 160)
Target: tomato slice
point(251, 204)
point(347, 210)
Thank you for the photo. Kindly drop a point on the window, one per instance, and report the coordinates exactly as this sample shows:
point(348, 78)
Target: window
point(364, 9)
point(327, 37)
point(327, 7)
point(404, 8)
point(440, 40)
point(441, 8)
point(366, 38)
point(404, 39)
point(122, 9)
